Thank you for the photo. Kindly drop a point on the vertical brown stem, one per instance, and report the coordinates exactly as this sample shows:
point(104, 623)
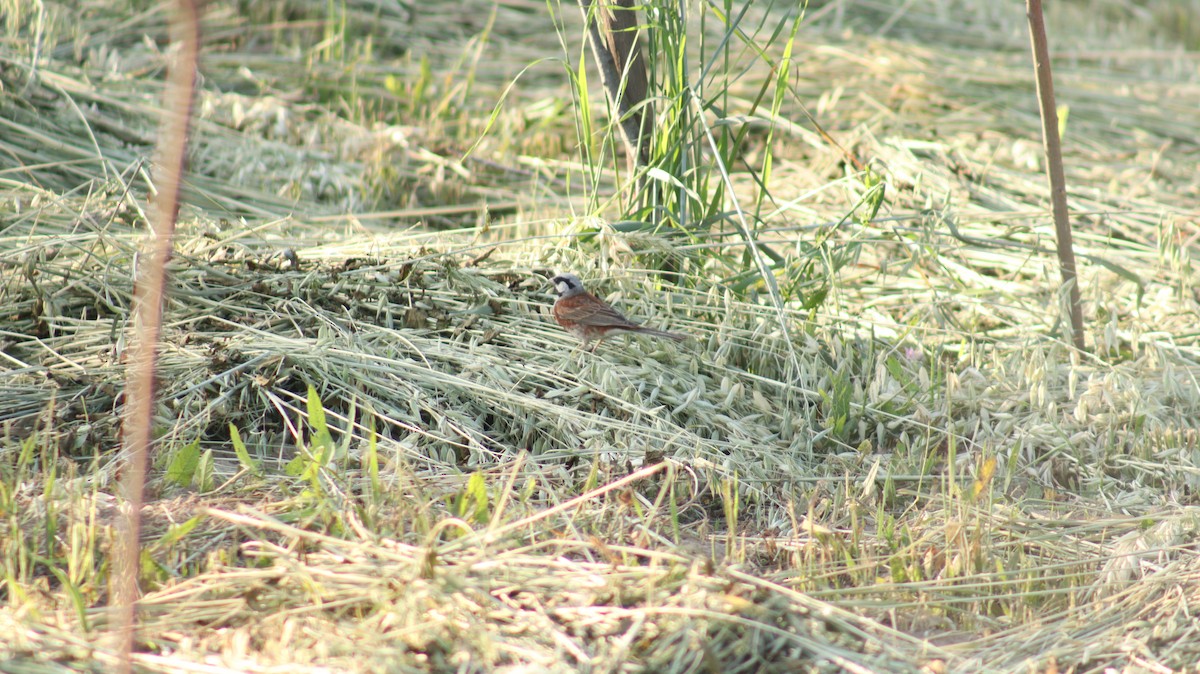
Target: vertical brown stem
point(613, 34)
point(1054, 164)
point(149, 293)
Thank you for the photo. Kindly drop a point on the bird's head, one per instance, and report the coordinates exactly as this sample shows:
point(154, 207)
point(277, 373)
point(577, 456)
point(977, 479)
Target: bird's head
point(567, 285)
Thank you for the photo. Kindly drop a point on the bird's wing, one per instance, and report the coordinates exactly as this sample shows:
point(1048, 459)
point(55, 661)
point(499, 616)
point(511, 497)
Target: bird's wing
point(592, 311)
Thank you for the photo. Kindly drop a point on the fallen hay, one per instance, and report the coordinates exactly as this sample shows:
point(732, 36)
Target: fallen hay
point(926, 478)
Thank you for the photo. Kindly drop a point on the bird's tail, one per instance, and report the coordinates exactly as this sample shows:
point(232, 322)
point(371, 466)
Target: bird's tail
point(662, 333)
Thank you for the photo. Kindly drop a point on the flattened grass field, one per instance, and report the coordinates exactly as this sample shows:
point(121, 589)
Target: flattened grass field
point(375, 450)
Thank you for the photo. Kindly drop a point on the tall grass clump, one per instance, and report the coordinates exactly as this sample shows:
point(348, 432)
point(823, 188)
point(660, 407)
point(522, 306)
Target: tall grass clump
point(704, 131)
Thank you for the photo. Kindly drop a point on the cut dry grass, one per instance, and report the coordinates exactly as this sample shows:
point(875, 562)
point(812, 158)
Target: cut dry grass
point(925, 478)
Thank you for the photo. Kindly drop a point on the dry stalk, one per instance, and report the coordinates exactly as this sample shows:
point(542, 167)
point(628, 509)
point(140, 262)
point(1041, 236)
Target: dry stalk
point(148, 307)
point(613, 34)
point(1054, 166)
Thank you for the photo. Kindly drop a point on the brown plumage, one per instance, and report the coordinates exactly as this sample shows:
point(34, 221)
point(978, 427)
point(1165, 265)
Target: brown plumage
point(588, 317)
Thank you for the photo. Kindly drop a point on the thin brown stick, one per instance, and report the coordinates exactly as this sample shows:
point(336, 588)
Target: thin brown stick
point(147, 321)
point(1054, 165)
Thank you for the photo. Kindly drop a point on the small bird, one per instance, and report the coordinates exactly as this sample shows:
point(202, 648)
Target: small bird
point(588, 317)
